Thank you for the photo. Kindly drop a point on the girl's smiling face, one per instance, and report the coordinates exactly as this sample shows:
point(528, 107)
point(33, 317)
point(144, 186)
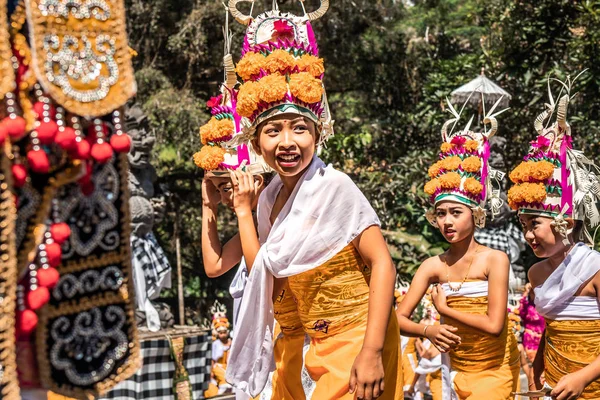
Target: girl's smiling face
point(455, 221)
point(541, 235)
point(287, 143)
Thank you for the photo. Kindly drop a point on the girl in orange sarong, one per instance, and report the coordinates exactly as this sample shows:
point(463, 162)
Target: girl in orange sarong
point(479, 353)
point(556, 194)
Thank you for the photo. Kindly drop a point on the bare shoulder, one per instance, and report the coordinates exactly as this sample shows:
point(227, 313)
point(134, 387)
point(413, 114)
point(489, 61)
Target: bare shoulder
point(430, 268)
point(496, 256)
point(538, 273)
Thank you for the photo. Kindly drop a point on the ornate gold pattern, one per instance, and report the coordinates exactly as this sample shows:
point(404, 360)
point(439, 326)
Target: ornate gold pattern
point(570, 346)
point(80, 53)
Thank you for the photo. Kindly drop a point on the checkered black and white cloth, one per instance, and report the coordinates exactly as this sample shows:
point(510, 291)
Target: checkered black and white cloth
point(154, 381)
point(148, 254)
point(499, 237)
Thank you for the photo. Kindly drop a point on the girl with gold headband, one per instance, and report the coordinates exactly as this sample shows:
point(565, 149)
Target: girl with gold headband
point(480, 356)
point(316, 230)
point(217, 159)
point(556, 193)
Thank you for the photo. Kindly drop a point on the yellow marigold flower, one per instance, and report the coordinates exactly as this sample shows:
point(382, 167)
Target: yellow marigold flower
point(279, 61)
point(526, 193)
point(450, 163)
point(471, 145)
point(434, 170)
point(432, 186)
point(216, 130)
point(450, 180)
point(306, 87)
point(537, 171)
point(209, 157)
point(446, 147)
point(473, 186)
point(272, 88)
point(471, 164)
point(247, 100)
point(311, 64)
point(250, 65)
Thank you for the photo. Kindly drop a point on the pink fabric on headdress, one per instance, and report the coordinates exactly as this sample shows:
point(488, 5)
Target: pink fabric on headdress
point(567, 190)
point(485, 156)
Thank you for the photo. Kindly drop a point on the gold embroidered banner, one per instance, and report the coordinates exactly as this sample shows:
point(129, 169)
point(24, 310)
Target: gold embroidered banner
point(80, 53)
point(7, 74)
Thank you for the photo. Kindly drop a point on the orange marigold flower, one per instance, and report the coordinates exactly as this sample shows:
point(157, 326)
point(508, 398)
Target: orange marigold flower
point(450, 163)
point(216, 130)
point(471, 164)
point(209, 157)
point(446, 147)
point(279, 61)
point(526, 193)
point(434, 170)
point(250, 65)
point(471, 145)
point(247, 100)
point(473, 186)
point(311, 64)
point(272, 88)
point(306, 87)
point(536, 171)
point(432, 186)
point(450, 180)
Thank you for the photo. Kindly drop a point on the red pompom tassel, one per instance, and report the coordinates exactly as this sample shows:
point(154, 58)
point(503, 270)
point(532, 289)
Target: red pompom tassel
point(3, 133)
point(36, 299)
point(15, 127)
point(19, 173)
point(26, 322)
point(48, 277)
point(38, 108)
point(66, 138)
point(38, 161)
point(102, 152)
point(54, 254)
point(121, 143)
point(47, 131)
point(60, 232)
point(81, 150)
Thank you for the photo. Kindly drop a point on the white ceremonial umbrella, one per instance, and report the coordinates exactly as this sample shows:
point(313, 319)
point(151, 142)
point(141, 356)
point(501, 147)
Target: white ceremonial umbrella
point(480, 90)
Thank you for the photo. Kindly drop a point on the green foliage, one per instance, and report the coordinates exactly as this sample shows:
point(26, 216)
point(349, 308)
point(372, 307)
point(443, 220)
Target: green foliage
point(389, 68)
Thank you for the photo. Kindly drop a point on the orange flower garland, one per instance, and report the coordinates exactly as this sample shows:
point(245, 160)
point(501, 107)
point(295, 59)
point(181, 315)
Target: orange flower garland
point(450, 180)
point(250, 65)
point(432, 186)
point(279, 60)
point(306, 87)
point(216, 130)
point(434, 170)
point(527, 171)
point(209, 157)
point(471, 145)
point(311, 64)
point(272, 88)
point(450, 163)
point(471, 164)
point(248, 99)
point(446, 147)
point(526, 193)
point(473, 186)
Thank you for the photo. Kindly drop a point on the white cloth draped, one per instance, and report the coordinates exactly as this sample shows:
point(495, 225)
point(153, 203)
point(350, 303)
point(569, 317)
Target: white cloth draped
point(555, 298)
point(324, 213)
point(236, 290)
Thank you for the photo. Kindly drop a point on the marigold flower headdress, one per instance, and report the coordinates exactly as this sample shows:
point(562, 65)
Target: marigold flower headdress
point(281, 68)
point(220, 322)
point(554, 180)
point(217, 156)
point(462, 173)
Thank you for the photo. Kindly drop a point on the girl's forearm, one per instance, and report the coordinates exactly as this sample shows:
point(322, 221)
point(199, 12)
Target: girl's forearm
point(381, 295)
point(211, 244)
point(249, 238)
point(484, 322)
point(410, 328)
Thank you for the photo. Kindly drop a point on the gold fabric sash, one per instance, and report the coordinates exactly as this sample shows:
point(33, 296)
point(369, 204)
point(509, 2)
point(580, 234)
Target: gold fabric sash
point(570, 346)
point(480, 351)
point(334, 296)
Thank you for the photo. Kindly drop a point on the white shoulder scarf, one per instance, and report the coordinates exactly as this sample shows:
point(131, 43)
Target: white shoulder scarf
point(581, 264)
point(324, 213)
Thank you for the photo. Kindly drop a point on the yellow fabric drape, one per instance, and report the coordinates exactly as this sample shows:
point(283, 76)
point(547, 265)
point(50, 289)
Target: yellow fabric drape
point(409, 362)
point(487, 365)
point(332, 302)
point(435, 384)
point(570, 346)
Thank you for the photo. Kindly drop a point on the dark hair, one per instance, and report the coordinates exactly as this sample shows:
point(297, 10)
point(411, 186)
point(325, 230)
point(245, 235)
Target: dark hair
point(577, 231)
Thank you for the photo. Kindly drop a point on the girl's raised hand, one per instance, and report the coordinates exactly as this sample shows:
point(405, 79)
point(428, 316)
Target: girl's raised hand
point(244, 192)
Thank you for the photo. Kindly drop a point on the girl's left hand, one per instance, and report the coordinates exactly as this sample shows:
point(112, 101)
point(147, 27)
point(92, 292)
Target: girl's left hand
point(569, 387)
point(244, 191)
point(438, 297)
point(366, 376)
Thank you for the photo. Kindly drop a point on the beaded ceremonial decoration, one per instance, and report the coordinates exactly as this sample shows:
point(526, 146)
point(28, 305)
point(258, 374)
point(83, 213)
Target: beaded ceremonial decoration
point(7, 77)
point(80, 53)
